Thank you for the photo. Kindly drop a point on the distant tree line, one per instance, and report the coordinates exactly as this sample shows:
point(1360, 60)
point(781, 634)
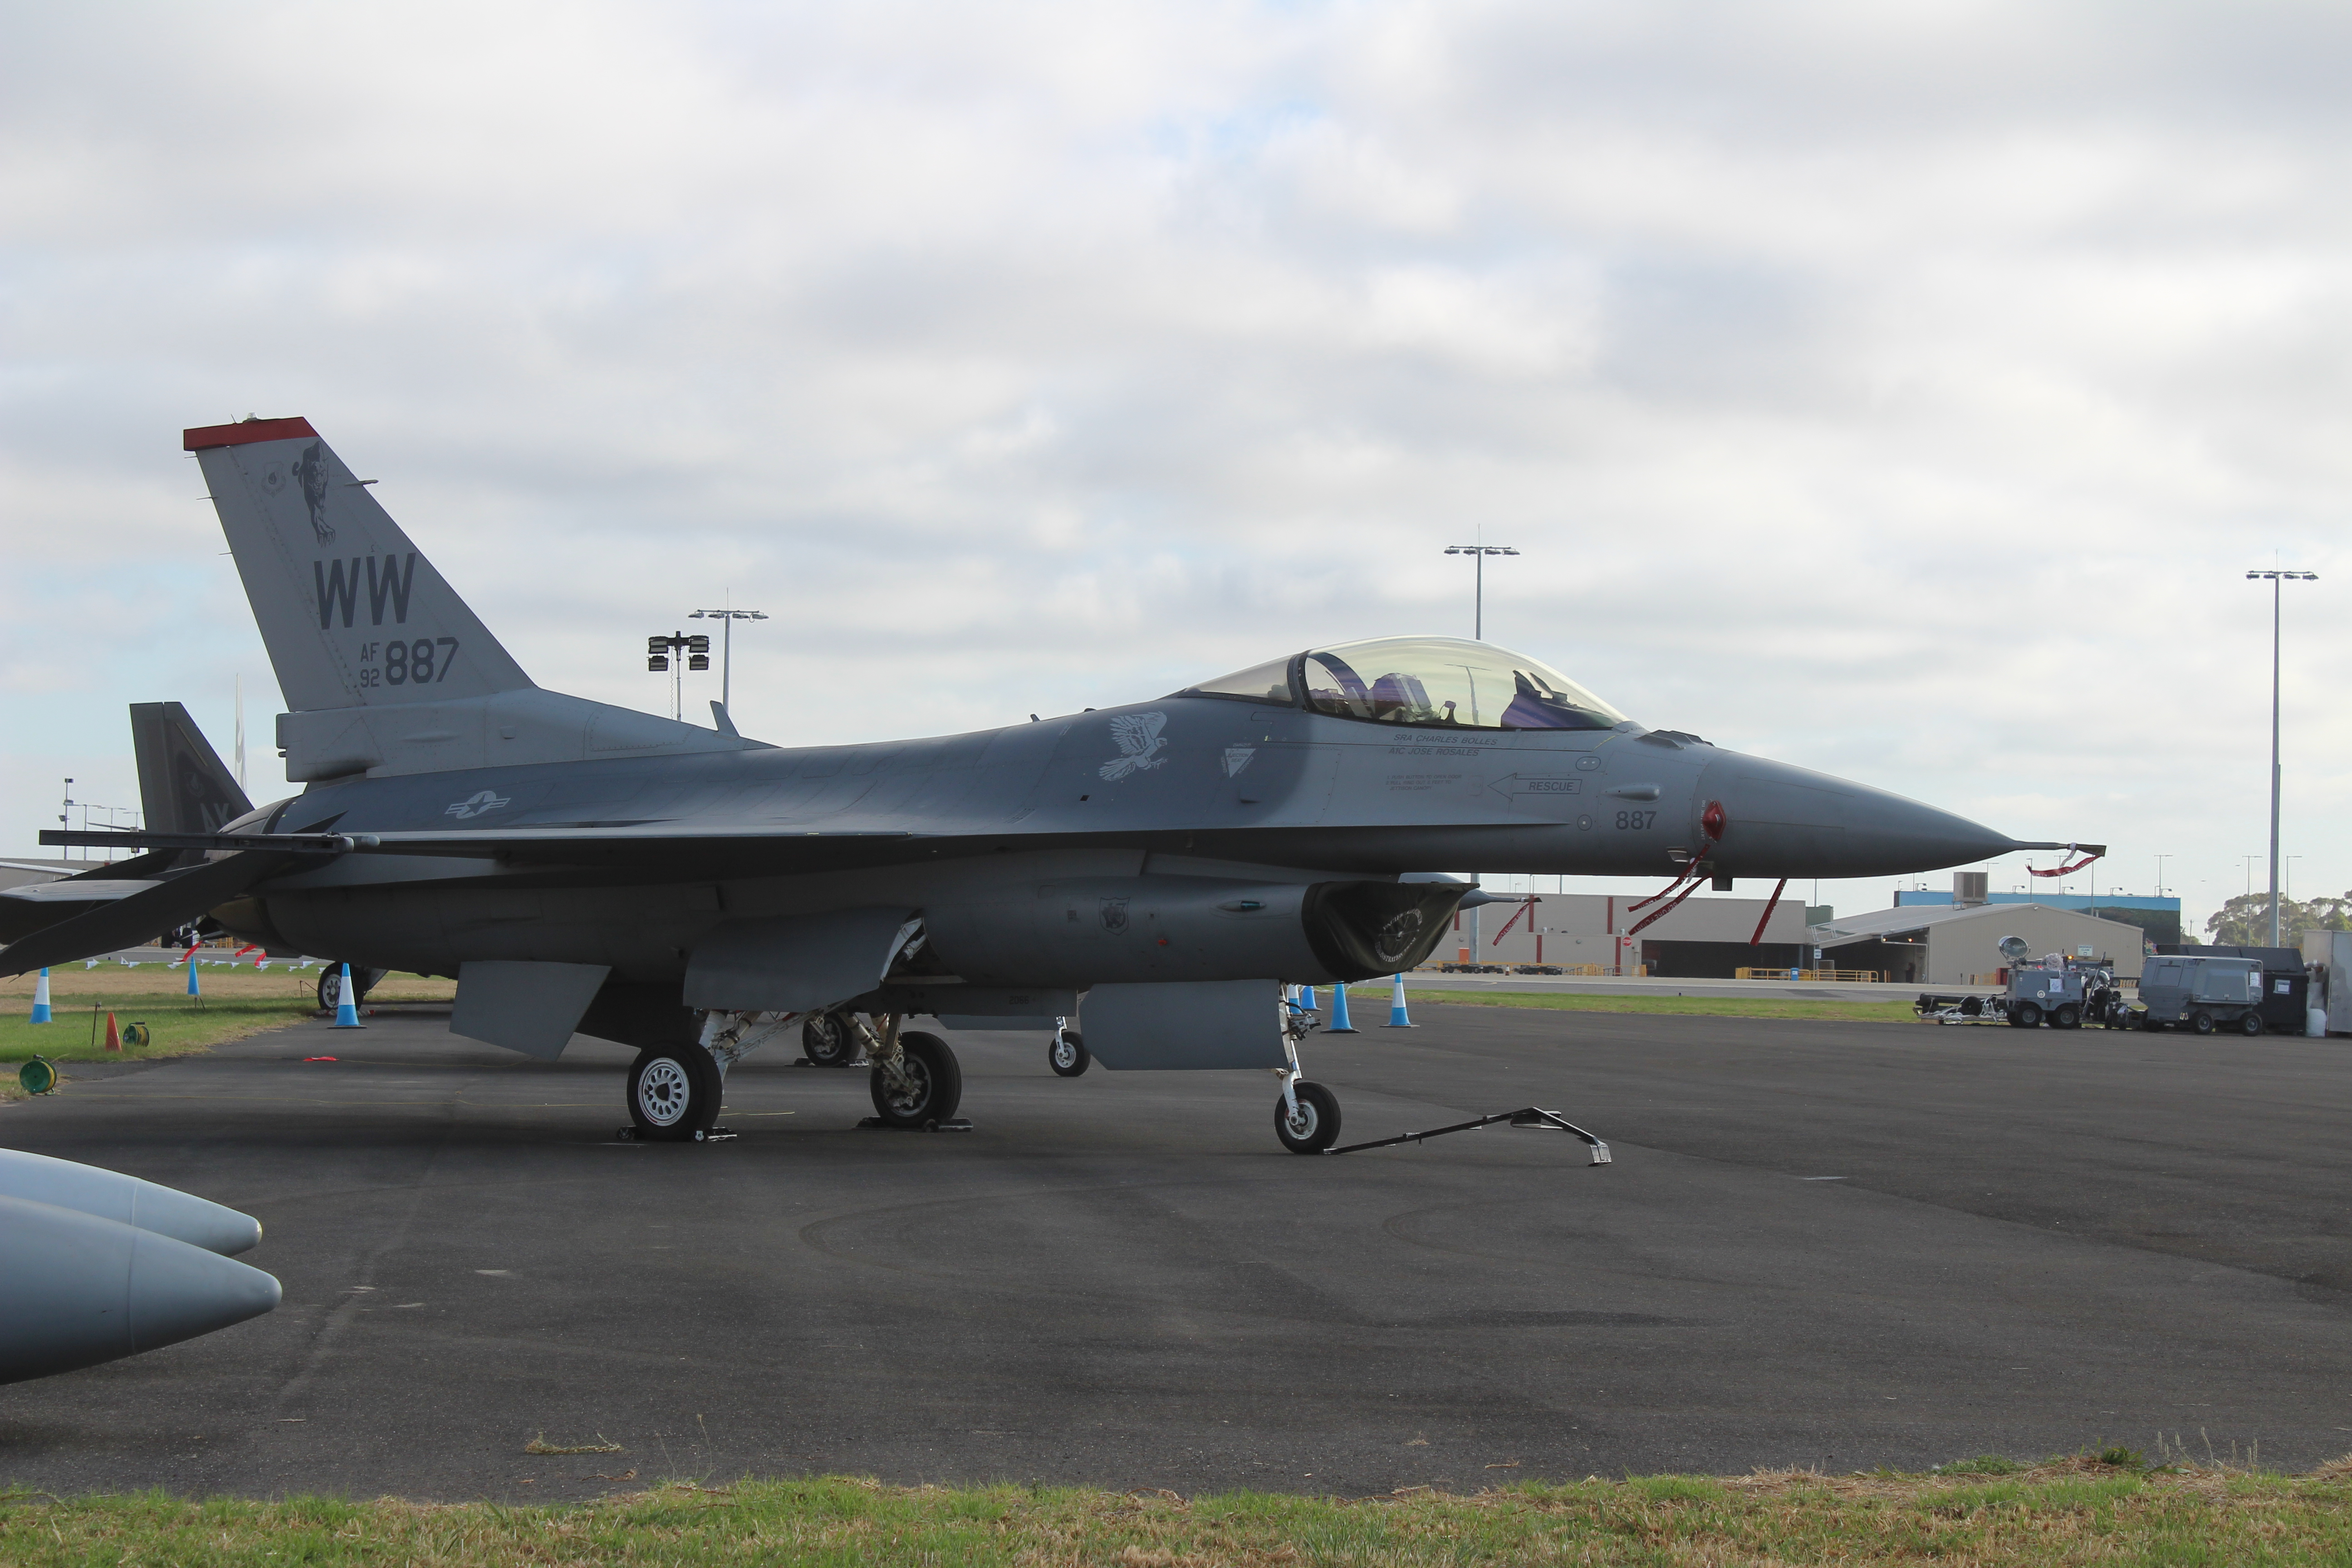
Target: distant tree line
point(2245, 921)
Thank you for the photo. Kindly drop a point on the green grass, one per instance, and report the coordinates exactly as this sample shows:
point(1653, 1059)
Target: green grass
point(2070, 1511)
point(178, 1026)
point(1701, 1006)
point(235, 1003)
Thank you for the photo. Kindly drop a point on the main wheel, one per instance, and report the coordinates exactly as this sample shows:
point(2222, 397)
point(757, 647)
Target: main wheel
point(934, 1083)
point(2066, 1017)
point(1313, 1126)
point(1068, 1055)
point(2202, 1023)
point(2251, 1024)
point(331, 985)
point(2026, 1015)
point(827, 1041)
point(674, 1093)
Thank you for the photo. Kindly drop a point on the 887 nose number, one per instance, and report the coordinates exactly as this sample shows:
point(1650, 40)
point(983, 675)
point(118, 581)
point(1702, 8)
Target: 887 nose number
point(1637, 819)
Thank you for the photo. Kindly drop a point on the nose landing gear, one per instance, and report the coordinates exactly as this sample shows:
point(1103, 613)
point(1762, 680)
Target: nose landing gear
point(1068, 1053)
point(1307, 1117)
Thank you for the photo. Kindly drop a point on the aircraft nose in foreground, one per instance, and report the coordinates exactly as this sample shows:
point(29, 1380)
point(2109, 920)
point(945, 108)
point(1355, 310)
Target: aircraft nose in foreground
point(1784, 821)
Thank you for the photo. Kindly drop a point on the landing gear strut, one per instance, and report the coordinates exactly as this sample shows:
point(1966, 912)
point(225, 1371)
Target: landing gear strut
point(1307, 1117)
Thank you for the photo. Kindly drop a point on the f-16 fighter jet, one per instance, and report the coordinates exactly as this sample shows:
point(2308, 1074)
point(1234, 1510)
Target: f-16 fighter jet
point(591, 869)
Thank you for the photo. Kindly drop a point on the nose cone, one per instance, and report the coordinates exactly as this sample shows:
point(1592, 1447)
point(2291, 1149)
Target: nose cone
point(89, 1189)
point(1781, 821)
point(78, 1288)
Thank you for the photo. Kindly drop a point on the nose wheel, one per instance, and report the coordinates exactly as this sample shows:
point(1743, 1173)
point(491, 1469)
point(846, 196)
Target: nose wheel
point(1307, 1119)
point(1068, 1056)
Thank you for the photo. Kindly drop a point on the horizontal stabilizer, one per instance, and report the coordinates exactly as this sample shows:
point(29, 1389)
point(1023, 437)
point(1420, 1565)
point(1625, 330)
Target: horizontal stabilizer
point(287, 843)
point(139, 917)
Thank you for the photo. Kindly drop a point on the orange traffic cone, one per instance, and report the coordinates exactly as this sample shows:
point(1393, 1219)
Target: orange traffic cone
point(113, 1039)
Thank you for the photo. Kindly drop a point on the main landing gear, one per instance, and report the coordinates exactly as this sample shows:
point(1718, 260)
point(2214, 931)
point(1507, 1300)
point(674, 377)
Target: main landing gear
point(830, 1040)
point(331, 984)
point(916, 1083)
point(674, 1093)
point(675, 1090)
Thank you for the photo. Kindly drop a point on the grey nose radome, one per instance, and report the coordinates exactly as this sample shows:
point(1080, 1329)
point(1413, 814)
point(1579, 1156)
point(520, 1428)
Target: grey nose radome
point(1781, 821)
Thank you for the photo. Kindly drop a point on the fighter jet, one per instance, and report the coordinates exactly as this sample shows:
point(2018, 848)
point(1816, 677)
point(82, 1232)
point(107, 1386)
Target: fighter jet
point(1167, 865)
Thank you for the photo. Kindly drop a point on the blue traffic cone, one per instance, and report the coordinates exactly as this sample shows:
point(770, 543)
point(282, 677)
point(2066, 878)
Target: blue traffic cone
point(1307, 998)
point(193, 989)
point(347, 1011)
point(1340, 1023)
point(1398, 1018)
point(41, 999)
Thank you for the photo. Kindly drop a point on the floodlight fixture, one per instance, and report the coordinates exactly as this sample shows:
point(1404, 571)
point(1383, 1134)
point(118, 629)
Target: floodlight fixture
point(1478, 553)
point(726, 649)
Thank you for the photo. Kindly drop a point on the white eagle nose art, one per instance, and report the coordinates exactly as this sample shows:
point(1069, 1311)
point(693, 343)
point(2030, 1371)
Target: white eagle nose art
point(1139, 744)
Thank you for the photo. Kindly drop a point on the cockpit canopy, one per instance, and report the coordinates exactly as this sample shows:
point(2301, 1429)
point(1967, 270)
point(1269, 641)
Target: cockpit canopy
point(1440, 681)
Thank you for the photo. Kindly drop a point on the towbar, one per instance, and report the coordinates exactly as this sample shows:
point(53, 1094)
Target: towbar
point(1529, 1116)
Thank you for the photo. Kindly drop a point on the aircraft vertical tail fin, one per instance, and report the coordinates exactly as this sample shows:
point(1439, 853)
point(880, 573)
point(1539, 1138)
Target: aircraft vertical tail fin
point(352, 614)
point(183, 787)
point(385, 667)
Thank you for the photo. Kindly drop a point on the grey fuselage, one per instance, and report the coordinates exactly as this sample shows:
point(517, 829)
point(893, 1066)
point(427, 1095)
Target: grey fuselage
point(1012, 845)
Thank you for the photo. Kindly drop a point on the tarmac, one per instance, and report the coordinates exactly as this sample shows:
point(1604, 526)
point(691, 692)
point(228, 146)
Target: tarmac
point(1821, 1244)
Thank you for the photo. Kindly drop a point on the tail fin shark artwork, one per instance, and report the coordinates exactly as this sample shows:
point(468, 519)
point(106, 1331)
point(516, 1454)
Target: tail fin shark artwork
point(1170, 865)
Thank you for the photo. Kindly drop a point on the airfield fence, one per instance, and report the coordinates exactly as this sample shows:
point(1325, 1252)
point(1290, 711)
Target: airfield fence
point(1848, 976)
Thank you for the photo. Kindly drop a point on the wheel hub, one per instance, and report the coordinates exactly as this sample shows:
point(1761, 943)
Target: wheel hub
point(911, 1088)
point(663, 1092)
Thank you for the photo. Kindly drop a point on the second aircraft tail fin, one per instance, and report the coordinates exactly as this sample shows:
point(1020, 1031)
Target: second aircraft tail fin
point(183, 787)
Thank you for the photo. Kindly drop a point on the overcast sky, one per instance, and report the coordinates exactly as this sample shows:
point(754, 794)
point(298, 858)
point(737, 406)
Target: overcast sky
point(1897, 391)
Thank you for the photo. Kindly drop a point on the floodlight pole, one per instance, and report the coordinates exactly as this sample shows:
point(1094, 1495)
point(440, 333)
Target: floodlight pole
point(1478, 553)
point(2275, 577)
point(689, 652)
point(727, 649)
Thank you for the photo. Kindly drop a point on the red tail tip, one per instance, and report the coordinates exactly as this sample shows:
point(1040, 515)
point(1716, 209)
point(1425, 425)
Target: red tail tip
point(243, 433)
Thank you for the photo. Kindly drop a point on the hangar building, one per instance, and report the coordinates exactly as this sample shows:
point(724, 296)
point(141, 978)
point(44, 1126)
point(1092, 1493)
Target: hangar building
point(1704, 938)
point(1931, 944)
